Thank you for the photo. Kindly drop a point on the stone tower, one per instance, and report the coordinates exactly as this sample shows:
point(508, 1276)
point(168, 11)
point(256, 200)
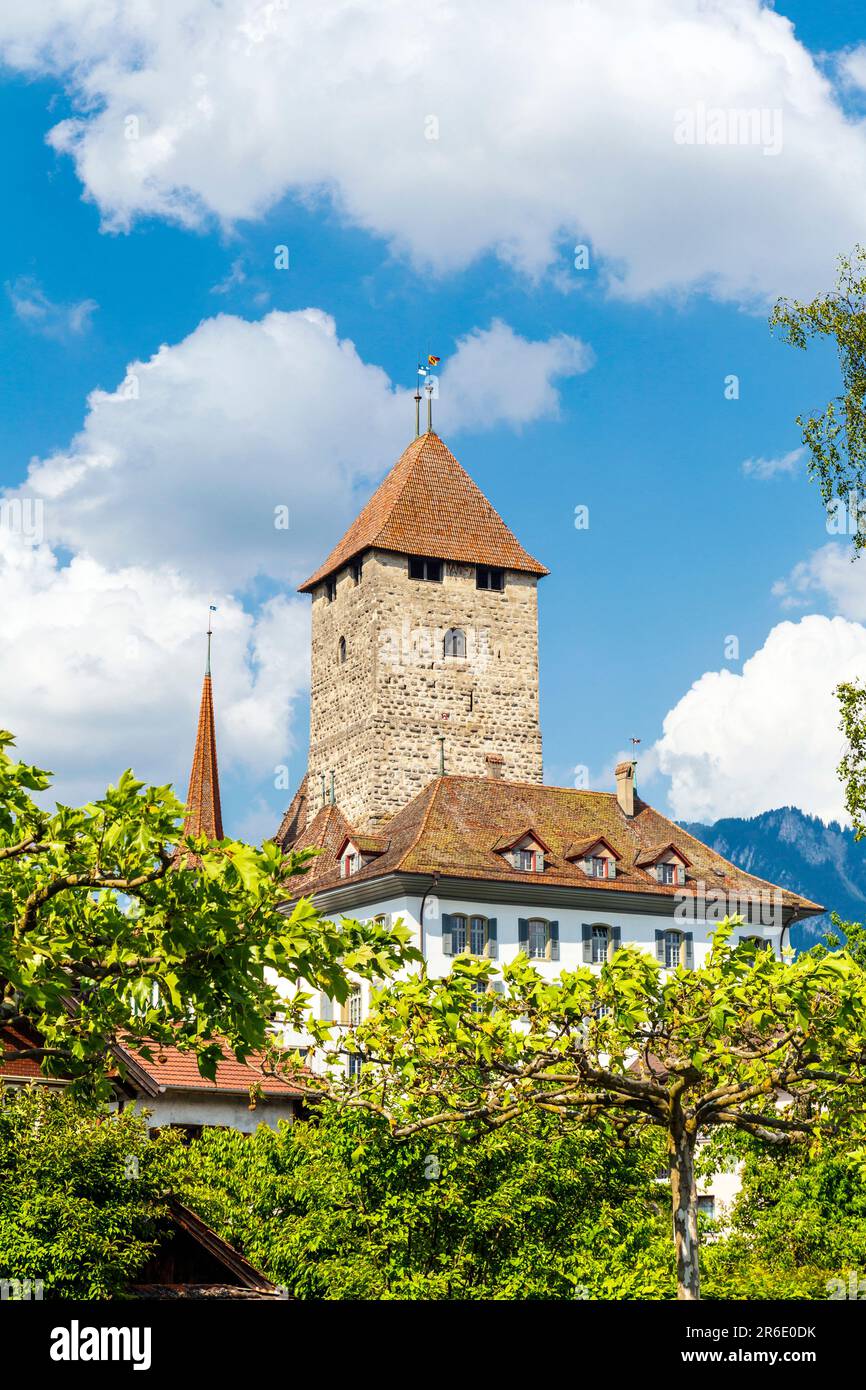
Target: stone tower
point(424, 644)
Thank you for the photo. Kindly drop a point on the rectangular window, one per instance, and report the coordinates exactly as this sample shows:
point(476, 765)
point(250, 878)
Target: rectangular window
point(529, 861)
point(486, 577)
point(600, 938)
point(598, 866)
point(353, 1065)
point(421, 567)
point(357, 566)
point(478, 935)
point(667, 873)
point(537, 944)
point(331, 588)
point(355, 1007)
point(707, 1206)
point(458, 935)
point(673, 942)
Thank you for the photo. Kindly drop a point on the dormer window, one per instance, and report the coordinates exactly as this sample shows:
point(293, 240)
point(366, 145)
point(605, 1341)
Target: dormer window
point(358, 853)
point(351, 862)
point(596, 857)
point(422, 567)
point(600, 866)
point(455, 642)
point(525, 852)
point(486, 577)
point(665, 863)
point(530, 861)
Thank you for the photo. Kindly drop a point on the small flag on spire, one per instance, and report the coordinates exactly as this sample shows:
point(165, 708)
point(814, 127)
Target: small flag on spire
point(433, 361)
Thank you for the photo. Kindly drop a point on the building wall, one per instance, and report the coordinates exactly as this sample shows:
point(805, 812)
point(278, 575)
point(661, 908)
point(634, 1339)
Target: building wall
point(201, 1108)
point(375, 719)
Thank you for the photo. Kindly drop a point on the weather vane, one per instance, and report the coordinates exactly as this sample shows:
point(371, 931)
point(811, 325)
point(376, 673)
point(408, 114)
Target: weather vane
point(429, 387)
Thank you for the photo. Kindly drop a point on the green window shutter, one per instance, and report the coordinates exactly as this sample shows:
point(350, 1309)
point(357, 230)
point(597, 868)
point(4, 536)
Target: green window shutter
point(523, 933)
point(492, 948)
point(611, 868)
point(553, 929)
point(690, 950)
point(616, 939)
point(586, 934)
point(447, 942)
point(660, 947)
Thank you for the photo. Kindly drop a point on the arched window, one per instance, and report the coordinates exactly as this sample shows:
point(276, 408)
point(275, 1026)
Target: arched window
point(341, 650)
point(455, 642)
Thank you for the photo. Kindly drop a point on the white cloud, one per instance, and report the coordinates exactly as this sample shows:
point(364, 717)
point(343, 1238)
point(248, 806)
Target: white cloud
point(852, 67)
point(36, 311)
point(541, 115)
point(186, 462)
point(738, 744)
point(100, 669)
point(772, 468)
point(835, 574)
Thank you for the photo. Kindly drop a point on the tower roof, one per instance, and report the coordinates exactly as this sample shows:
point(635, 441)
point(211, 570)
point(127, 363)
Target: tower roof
point(203, 814)
point(428, 505)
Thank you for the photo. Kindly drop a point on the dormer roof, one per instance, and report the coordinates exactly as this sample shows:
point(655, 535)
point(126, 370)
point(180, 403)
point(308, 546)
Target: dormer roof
point(581, 849)
point(653, 853)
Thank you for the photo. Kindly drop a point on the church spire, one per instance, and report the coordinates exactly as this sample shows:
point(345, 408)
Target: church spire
point(204, 814)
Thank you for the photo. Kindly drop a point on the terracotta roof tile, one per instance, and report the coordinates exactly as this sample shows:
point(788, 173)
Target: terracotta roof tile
point(178, 1071)
point(452, 826)
point(428, 505)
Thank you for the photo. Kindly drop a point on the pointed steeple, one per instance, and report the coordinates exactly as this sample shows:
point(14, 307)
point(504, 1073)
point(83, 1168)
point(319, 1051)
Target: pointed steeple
point(204, 814)
point(428, 505)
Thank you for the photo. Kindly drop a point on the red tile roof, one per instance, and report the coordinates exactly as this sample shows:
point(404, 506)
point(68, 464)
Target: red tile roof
point(452, 827)
point(428, 505)
point(178, 1071)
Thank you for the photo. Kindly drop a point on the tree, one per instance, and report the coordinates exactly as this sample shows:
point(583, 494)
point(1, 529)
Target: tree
point(335, 1209)
point(775, 1049)
point(114, 924)
point(836, 437)
point(80, 1200)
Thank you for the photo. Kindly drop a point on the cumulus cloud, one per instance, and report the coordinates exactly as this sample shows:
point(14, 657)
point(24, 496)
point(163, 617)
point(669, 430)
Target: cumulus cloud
point(738, 744)
point(36, 311)
point(763, 469)
point(835, 574)
point(101, 668)
point(204, 451)
point(467, 129)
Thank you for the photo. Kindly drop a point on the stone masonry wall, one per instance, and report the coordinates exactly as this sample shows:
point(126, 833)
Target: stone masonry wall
point(375, 720)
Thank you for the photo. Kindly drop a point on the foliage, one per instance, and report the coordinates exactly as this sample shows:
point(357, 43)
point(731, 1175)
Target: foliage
point(79, 1200)
point(836, 438)
point(335, 1209)
point(627, 1049)
point(794, 1228)
point(113, 923)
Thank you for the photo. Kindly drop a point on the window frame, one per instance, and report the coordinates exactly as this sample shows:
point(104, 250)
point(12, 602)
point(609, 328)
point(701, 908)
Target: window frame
point(601, 932)
point(538, 922)
point(490, 572)
point(671, 934)
point(451, 639)
point(424, 562)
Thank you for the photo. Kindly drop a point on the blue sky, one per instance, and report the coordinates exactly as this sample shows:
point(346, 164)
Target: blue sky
point(685, 549)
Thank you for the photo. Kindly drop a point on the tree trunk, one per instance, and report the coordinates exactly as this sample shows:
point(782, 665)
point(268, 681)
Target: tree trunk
point(684, 1201)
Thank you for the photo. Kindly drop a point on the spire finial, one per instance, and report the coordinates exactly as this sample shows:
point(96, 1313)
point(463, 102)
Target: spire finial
point(211, 609)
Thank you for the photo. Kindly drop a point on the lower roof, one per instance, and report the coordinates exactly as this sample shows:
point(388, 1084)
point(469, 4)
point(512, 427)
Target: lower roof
point(455, 827)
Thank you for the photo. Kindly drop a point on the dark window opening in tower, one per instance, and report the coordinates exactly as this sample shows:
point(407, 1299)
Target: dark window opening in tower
point(422, 567)
point(487, 577)
point(341, 650)
point(357, 569)
point(331, 588)
point(455, 642)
